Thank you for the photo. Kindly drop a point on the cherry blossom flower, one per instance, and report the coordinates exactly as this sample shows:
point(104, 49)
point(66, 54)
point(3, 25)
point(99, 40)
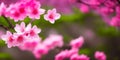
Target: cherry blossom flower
point(32, 32)
point(2, 9)
point(30, 44)
point(19, 39)
point(77, 43)
point(20, 28)
point(69, 54)
point(115, 21)
point(84, 8)
point(9, 39)
point(13, 13)
point(35, 13)
point(100, 55)
point(79, 57)
point(27, 30)
point(53, 40)
point(40, 50)
point(62, 55)
point(52, 15)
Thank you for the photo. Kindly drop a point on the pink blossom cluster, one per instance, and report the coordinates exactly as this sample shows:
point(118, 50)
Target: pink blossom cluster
point(27, 38)
point(22, 35)
point(72, 54)
point(108, 9)
point(48, 44)
point(27, 8)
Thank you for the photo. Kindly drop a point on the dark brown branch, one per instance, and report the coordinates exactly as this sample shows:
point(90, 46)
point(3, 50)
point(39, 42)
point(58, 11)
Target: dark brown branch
point(6, 28)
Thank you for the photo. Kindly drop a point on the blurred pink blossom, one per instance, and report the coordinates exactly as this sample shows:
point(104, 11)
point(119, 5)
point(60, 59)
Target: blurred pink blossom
point(77, 43)
point(100, 55)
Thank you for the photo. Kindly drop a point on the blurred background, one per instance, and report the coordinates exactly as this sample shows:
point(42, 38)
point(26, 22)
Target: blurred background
point(72, 24)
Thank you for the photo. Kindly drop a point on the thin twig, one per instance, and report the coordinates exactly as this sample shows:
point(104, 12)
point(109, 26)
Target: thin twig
point(6, 28)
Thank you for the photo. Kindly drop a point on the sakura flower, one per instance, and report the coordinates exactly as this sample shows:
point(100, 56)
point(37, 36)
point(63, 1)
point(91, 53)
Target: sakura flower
point(9, 39)
point(115, 21)
point(77, 43)
point(84, 8)
point(19, 39)
point(52, 15)
point(34, 13)
point(72, 52)
point(30, 44)
point(65, 54)
point(2, 9)
point(13, 13)
point(62, 55)
point(32, 31)
point(53, 41)
point(31, 3)
point(100, 55)
point(20, 28)
point(27, 30)
point(22, 9)
point(79, 57)
point(40, 50)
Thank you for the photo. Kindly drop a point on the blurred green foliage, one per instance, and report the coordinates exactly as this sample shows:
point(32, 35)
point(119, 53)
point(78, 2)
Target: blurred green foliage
point(5, 56)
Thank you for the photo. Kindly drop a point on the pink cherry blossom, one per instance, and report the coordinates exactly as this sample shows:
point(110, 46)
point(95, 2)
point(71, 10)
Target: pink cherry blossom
point(2, 9)
point(27, 30)
point(40, 50)
point(9, 39)
point(32, 32)
point(19, 39)
point(53, 41)
point(13, 13)
point(35, 13)
point(30, 44)
point(72, 52)
point(20, 28)
point(77, 43)
point(62, 55)
point(52, 15)
point(79, 57)
point(115, 21)
point(84, 8)
point(20, 10)
point(100, 55)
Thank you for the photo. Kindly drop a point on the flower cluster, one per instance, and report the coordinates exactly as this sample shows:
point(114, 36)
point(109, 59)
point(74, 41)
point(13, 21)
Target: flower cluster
point(108, 9)
point(27, 38)
point(72, 54)
point(22, 35)
point(49, 43)
point(27, 8)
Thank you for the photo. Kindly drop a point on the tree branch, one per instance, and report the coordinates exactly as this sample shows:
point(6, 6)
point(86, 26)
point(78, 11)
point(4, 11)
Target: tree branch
point(6, 28)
